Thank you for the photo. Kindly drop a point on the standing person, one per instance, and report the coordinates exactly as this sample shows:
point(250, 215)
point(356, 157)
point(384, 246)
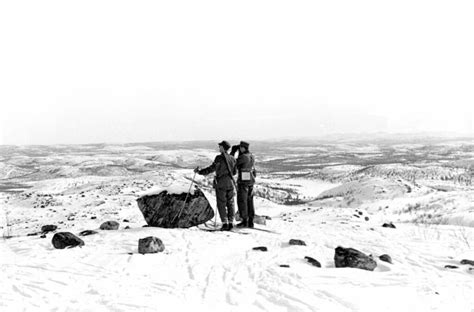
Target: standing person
point(224, 166)
point(245, 181)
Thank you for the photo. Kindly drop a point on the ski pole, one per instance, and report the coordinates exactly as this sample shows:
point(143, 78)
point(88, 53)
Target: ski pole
point(184, 203)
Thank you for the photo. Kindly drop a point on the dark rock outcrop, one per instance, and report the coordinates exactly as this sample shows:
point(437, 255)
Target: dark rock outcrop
point(49, 228)
point(313, 262)
point(386, 258)
point(109, 225)
point(352, 258)
point(163, 209)
point(297, 242)
point(150, 244)
point(261, 248)
point(62, 240)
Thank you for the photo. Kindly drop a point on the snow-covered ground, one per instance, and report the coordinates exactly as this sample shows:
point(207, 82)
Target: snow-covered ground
point(213, 271)
point(203, 271)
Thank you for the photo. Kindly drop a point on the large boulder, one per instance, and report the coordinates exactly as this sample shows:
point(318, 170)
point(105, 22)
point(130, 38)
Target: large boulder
point(62, 240)
point(150, 244)
point(352, 258)
point(168, 209)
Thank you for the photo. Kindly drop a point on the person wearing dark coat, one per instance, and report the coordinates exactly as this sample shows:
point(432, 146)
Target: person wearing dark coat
point(245, 182)
point(224, 167)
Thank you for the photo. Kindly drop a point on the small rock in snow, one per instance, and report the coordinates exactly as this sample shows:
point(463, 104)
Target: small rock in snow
point(298, 242)
point(313, 261)
point(353, 258)
point(386, 258)
point(109, 225)
point(465, 261)
point(62, 240)
point(150, 244)
point(48, 228)
point(261, 248)
point(87, 232)
point(284, 266)
point(450, 266)
point(389, 225)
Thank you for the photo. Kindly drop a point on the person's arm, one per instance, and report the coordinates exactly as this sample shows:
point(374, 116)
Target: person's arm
point(240, 162)
point(207, 170)
point(234, 150)
point(234, 167)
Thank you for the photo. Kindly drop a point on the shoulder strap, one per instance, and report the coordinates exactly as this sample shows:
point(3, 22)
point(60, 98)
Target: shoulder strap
point(228, 168)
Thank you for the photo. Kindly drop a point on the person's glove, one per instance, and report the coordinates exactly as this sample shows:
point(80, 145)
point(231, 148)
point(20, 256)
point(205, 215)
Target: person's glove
point(197, 169)
point(234, 149)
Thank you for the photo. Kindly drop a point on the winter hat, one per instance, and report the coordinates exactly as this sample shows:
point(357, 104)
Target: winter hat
point(225, 145)
point(244, 144)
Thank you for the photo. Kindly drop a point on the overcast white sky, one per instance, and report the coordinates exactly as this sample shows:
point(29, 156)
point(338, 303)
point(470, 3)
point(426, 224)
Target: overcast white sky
point(134, 71)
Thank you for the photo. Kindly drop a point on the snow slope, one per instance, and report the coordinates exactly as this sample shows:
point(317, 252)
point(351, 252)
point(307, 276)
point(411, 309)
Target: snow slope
point(205, 271)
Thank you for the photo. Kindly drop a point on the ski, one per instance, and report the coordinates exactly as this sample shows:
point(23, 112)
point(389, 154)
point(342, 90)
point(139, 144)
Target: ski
point(260, 229)
point(231, 231)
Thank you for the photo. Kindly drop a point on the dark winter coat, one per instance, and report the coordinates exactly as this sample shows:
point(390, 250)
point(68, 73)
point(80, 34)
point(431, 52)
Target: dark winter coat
point(219, 166)
point(245, 166)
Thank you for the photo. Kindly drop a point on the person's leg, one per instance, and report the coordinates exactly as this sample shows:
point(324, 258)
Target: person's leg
point(221, 202)
point(242, 194)
point(230, 207)
point(250, 206)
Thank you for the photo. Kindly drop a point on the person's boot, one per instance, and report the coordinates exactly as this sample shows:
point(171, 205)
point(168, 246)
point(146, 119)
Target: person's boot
point(225, 227)
point(243, 224)
point(229, 226)
point(250, 223)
